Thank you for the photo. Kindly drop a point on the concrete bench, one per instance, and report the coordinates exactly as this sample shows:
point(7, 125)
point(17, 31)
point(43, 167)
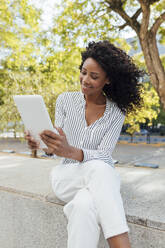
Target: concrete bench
point(32, 217)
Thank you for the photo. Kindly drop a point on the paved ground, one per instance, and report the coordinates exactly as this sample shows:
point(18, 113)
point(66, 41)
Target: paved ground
point(126, 154)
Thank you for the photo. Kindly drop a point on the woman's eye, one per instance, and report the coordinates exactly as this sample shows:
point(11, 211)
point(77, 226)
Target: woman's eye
point(83, 72)
point(94, 77)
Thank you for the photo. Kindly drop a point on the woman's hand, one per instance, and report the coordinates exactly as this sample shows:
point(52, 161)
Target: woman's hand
point(57, 144)
point(32, 143)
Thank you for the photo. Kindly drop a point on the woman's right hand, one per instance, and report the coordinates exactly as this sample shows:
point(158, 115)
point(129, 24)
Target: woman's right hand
point(32, 143)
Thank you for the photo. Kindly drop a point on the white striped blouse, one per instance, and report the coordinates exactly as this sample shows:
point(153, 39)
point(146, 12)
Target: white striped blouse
point(97, 140)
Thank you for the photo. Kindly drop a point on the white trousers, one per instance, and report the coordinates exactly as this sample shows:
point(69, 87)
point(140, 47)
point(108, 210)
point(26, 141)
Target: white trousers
point(92, 193)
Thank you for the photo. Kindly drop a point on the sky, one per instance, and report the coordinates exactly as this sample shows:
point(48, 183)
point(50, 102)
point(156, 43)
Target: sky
point(48, 9)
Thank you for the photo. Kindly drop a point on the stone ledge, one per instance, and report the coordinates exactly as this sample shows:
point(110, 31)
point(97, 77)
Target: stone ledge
point(34, 223)
point(54, 200)
point(146, 222)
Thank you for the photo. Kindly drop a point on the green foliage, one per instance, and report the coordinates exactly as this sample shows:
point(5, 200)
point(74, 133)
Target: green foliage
point(147, 113)
point(19, 21)
point(161, 117)
point(18, 27)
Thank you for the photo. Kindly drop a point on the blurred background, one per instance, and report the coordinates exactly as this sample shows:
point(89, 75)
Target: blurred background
point(40, 45)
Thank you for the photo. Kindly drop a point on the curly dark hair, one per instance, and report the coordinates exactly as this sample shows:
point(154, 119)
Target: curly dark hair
point(124, 77)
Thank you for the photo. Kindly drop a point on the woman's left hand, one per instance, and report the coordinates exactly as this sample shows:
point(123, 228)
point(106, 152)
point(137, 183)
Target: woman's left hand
point(57, 144)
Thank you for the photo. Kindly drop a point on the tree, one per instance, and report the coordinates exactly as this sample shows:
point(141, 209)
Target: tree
point(100, 19)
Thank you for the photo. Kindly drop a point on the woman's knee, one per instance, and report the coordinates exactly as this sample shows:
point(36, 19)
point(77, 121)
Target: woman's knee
point(64, 184)
point(100, 169)
point(82, 202)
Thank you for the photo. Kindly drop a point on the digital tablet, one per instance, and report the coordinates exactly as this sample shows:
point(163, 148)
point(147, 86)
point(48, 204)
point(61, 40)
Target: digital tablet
point(34, 115)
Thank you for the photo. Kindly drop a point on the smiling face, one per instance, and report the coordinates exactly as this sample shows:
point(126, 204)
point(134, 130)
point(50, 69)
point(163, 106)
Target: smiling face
point(92, 77)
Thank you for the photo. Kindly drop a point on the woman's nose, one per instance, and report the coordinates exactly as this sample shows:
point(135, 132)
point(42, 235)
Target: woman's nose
point(85, 79)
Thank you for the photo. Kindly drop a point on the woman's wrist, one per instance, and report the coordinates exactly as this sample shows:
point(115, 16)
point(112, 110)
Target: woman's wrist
point(76, 154)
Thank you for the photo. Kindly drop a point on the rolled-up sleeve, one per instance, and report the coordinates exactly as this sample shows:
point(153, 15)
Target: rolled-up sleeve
point(108, 143)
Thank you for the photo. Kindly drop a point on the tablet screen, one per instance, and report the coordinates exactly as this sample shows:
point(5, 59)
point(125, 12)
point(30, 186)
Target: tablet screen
point(34, 115)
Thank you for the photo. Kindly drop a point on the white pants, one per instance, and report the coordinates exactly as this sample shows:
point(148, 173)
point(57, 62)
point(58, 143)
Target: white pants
point(92, 193)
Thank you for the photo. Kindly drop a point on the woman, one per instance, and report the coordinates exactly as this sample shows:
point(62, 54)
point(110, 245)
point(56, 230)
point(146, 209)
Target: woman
point(89, 124)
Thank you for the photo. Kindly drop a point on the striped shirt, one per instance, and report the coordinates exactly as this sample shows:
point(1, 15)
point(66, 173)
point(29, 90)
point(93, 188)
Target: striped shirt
point(98, 140)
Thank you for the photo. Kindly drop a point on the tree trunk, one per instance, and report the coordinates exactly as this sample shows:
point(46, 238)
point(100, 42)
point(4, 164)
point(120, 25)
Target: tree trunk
point(160, 72)
point(153, 63)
